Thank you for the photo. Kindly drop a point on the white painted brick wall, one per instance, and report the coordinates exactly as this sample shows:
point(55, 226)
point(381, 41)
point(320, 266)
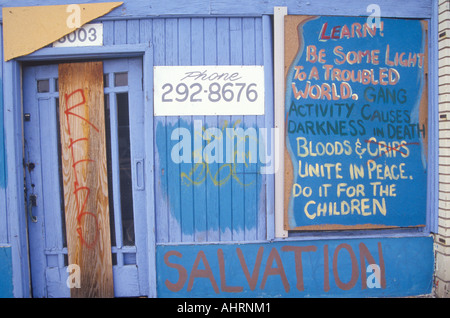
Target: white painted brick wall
point(442, 240)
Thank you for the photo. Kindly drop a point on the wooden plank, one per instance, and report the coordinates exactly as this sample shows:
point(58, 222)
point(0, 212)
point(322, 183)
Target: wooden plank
point(237, 176)
point(160, 144)
point(173, 170)
point(120, 32)
point(48, 146)
point(186, 192)
point(199, 190)
point(265, 194)
point(279, 92)
point(2, 144)
point(212, 191)
point(150, 163)
point(133, 31)
point(14, 186)
point(108, 33)
point(433, 156)
point(3, 220)
point(82, 126)
point(225, 195)
point(250, 177)
point(145, 30)
point(31, 152)
point(140, 170)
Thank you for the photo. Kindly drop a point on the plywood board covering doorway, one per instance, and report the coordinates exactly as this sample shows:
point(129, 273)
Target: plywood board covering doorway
point(84, 166)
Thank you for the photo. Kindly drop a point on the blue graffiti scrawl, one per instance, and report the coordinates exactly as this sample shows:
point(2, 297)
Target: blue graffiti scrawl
point(207, 184)
point(356, 129)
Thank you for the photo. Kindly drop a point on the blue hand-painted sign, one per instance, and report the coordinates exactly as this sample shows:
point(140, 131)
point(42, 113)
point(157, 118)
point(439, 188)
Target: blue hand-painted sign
point(322, 268)
point(356, 123)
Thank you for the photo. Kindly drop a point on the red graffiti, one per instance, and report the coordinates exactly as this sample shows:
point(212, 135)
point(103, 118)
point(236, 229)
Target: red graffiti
point(68, 110)
point(390, 148)
point(81, 208)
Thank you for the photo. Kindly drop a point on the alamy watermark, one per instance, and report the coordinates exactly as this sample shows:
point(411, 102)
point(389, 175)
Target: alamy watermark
point(375, 16)
point(227, 145)
point(374, 279)
point(74, 279)
point(74, 18)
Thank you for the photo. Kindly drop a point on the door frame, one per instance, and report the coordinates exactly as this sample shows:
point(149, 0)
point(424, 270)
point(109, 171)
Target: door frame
point(13, 97)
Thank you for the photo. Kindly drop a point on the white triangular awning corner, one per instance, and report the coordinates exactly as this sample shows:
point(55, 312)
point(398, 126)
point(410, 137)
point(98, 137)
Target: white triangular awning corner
point(27, 29)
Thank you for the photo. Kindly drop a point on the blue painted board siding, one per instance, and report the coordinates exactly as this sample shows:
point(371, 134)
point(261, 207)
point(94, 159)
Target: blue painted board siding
point(223, 213)
point(2, 143)
point(206, 211)
point(137, 27)
point(3, 170)
point(207, 202)
point(203, 212)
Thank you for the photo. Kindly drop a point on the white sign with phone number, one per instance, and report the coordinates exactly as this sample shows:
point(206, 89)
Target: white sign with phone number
point(208, 90)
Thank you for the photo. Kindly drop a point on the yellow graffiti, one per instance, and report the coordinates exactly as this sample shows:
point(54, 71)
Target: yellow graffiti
point(201, 171)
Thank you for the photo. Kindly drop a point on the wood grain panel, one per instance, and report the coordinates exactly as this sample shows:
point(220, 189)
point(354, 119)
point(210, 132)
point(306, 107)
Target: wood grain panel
point(82, 126)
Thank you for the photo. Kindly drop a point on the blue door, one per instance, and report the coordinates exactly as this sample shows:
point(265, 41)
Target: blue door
point(124, 116)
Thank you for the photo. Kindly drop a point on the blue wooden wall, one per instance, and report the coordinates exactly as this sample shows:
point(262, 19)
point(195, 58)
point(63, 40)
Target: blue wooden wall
point(188, 212)
point(214, 202)
point(201, 202)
